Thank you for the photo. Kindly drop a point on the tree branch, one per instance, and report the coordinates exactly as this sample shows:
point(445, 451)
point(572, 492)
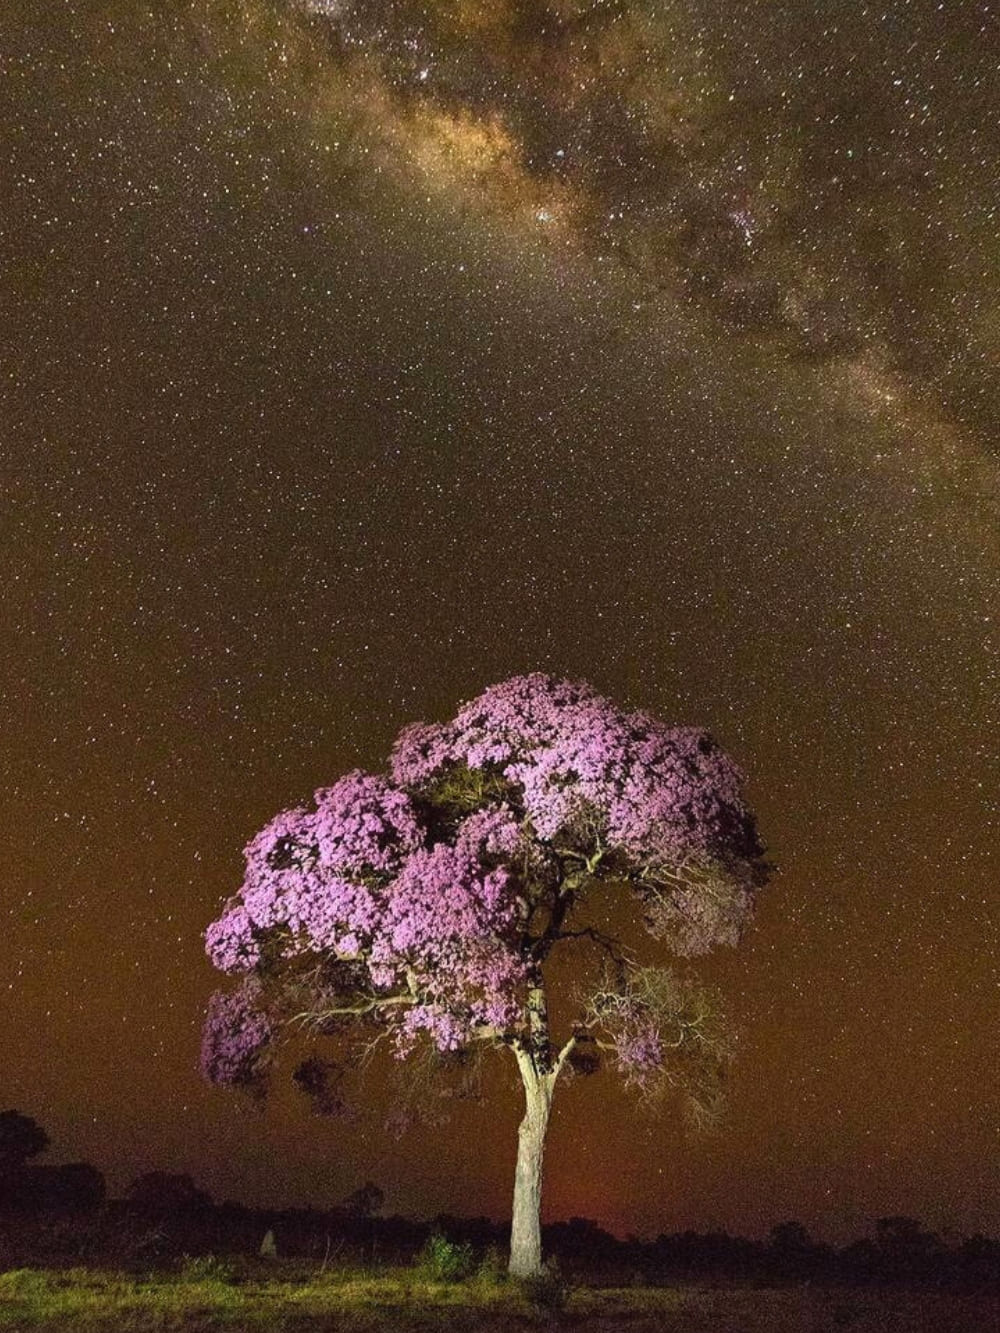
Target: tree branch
point(608, 943)
point(563, 1056)
point(359, 1010)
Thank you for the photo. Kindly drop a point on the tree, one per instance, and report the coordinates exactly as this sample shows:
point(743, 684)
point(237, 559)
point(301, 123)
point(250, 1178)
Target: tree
point(21, 1137)
point(166, 1192)
point(73, 1185)
point(365, 1201)
point(790, 1238)
point(427, 905)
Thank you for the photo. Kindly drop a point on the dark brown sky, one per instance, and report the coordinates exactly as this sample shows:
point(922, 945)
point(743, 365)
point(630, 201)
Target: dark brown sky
point(352, 361)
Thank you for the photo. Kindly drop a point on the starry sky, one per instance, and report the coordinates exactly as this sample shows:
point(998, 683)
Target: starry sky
point(357, 354)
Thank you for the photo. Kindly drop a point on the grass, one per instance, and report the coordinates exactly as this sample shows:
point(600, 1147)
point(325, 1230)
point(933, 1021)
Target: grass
point(206, 1296)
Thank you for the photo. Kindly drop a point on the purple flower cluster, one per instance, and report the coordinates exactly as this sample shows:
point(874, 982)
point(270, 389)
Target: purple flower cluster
point(639, 1050)
point(425, 908)
point(448, 931)
point(235, 1037)
point(657, 793)
point(354, 879)
point(314, 872)
point(494, 728)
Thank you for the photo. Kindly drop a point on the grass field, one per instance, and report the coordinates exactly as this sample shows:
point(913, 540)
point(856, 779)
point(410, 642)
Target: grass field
point(197, 1300)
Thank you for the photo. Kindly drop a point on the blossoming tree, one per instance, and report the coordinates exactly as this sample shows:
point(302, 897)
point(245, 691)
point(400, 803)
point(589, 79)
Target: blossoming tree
point(429, 905)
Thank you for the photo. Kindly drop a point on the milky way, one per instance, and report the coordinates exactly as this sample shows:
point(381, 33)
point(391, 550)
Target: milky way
point(358, 355)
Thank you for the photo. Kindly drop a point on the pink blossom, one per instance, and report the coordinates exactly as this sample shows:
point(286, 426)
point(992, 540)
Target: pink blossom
point(425, 910)
point(639, 1050)
point(235, 1037)
point(230, 941)
point(652, 792)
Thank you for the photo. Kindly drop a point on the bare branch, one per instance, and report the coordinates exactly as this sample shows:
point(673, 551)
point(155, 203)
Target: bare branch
point(696, 902)
point(612, 947)
point(362, 1009)
point(667, 1035)
point(563, 1056)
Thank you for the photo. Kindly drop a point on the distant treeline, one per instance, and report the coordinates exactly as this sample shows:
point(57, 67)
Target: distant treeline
point(145, 1230)
point(61, 1215)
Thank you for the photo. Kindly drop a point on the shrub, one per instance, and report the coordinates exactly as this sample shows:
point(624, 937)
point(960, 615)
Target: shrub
point(206, 1268)
point(492, 1270)
point(546, 1290)
point(443, 1260)
point(148, 1246)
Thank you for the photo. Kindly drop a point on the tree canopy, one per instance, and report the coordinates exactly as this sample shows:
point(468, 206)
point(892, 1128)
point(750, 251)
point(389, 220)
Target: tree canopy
point(21, 1137)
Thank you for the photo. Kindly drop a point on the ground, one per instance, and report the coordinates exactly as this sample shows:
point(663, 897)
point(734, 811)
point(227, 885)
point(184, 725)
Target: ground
point(204, 1297)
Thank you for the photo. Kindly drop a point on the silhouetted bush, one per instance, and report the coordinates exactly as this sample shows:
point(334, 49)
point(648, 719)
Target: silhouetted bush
point(160, 1192)
point(21, 1137)
point(75, 1186)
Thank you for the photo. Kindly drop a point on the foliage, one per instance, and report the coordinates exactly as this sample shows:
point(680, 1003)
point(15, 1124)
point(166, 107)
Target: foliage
point(492, 1269)
point(667, 1034)
point(237, 1031)
point(725, 1283)
point(546, 1290)
point(69, 1186)
point(149, 1245)
point(426, 903)
point(443, 1260)
point(206, 1267)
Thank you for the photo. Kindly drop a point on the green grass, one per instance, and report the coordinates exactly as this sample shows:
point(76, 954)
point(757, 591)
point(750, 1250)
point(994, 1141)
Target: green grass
point(80, 1298)
point(207, 1296)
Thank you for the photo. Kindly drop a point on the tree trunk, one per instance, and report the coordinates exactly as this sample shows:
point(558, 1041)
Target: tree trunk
point(526, 1221)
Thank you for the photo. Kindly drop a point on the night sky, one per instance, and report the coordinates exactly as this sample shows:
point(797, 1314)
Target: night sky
point(359, 354)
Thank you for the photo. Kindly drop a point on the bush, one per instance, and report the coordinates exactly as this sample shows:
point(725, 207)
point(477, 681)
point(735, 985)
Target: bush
point(546, 1290)
point(492, 1270)
point(149, 1246)
point(442, 1260)
point(206, 1268)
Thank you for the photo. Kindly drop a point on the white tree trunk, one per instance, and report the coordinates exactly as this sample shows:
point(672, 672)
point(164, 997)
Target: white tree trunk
point(526, 1221)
